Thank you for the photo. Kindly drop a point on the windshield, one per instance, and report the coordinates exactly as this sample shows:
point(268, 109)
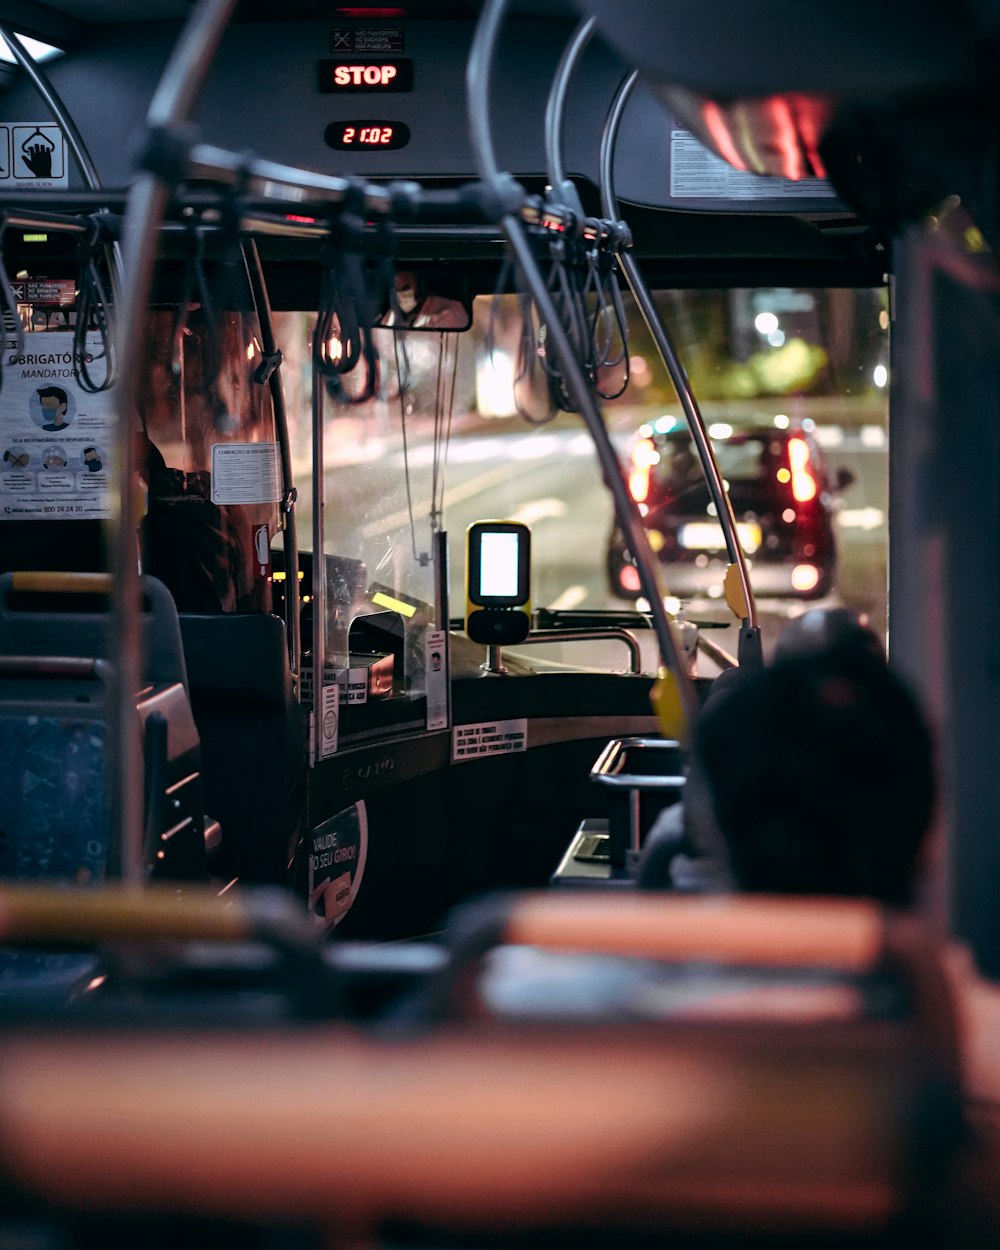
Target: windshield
point(469, 437)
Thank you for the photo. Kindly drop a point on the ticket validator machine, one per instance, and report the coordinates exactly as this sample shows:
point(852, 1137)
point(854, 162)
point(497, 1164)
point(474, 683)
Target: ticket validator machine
point(497, 586)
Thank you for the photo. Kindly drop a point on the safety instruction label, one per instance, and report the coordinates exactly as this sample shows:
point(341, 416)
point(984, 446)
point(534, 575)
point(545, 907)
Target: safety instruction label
point(496, 737)
point(50, 293)
point(56, 439)
point(698, 174)
point(32, 156)
point(245, 473)
point(436, 645)
point(386, 39)
point(329, 721)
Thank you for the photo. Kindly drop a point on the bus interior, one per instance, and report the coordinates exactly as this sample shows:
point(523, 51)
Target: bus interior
point(449, 451)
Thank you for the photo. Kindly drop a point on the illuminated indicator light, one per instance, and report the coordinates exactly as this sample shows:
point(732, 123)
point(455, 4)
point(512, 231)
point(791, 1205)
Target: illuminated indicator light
point(350, 75)
point(394, 605)
point(645, 454)
point(305, 221)
point(359, 12)
point(784, 475)
point(630, 578)
point(638, 484)
point(786, 139)
point(280, 576)
point(717, 127)
point(805, 577)
point(95, 983)
point(36, 238)
point(788, 515)
point(803, 482)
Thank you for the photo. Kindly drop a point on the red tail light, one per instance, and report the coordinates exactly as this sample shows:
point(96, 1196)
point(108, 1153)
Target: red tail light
point(644, 456)
point(803, 482)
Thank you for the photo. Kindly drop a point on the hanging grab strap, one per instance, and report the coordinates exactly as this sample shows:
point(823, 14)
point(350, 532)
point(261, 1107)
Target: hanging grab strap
point(93, 314)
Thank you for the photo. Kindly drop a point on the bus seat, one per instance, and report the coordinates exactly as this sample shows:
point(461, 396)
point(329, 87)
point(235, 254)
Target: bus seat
point(54, 632)
point(52, 613)
point(53, 741)
point(554, 1131)
point(252, 738)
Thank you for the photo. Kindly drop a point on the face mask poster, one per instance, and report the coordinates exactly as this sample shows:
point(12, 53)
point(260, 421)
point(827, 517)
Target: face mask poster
point(55, 437)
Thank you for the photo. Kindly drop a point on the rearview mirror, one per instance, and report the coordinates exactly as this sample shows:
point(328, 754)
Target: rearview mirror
point(427, 302)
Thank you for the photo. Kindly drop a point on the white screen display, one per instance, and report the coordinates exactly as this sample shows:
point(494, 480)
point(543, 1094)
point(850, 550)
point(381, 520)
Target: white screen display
point(498, 565)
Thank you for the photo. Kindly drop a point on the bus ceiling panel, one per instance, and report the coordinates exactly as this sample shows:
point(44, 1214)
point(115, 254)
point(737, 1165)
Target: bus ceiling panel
point(728, 50)
point(273, 91)
point(263, 96)
point(892, 102)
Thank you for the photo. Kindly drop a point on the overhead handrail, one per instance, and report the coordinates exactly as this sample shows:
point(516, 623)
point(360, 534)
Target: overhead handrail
point(505, 193)
point(749, 641)
point(40, 81)
point(78, 149)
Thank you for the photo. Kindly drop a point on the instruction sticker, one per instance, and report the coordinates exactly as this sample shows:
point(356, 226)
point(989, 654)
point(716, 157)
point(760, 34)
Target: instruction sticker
point(55, 438)
point(375, 39)
point(436, 668)
point(698, 174)
point(329, 723)
point(495, 737)
point(32, 156)
point(245, 473)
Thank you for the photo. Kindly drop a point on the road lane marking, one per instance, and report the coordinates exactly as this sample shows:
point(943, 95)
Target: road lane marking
point(570, 598)
point(860, 518)
point(473, 486)
point(540, 510)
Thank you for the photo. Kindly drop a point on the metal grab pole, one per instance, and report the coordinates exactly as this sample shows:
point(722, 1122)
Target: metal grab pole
point(750, 631)
point(478, 78)
point(269, 346)
point(171, 103)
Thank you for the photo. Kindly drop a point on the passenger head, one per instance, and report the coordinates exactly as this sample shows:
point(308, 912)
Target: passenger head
point(819, 771)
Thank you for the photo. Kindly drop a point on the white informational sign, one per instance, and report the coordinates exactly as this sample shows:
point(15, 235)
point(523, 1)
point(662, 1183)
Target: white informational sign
point(56, 439)
point(329, 723)
point(698, 174)
point(32, 156)
point(496, 737)
point(437, 679)
point(245, 473)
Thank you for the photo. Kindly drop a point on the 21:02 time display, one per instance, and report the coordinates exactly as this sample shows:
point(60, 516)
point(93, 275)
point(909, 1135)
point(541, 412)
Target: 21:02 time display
point(367, 135)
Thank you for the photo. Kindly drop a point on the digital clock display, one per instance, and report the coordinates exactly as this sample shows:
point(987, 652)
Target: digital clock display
point(367, 136)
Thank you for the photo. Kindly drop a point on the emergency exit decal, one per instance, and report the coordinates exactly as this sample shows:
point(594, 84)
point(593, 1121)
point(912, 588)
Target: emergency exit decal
point(32, 156)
